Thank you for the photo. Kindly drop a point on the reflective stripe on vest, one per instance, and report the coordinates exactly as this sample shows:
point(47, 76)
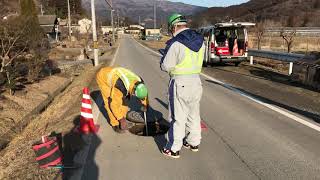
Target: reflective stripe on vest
point(191, 64)
point(126, 76)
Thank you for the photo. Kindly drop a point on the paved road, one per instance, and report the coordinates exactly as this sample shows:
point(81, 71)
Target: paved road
point(245, 140)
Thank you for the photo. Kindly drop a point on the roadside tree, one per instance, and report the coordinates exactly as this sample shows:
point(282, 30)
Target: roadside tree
point(288, 36)
point(259, 31)
point(22, 46)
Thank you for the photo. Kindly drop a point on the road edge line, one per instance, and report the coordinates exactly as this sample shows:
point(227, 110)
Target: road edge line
point(274, 108)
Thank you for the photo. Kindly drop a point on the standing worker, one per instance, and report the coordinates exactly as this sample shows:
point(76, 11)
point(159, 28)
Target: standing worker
point(182, 59)
point(117, 86)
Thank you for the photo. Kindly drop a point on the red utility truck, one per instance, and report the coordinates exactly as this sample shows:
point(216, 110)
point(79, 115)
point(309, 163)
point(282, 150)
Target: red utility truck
point(226, 42)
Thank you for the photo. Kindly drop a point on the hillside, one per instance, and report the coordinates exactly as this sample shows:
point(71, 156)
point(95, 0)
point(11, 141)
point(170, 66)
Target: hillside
point(285, 12)
point(8, 7)
point(143, 8)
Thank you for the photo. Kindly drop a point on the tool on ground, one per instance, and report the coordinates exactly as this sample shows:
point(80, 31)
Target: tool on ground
point(145, 121)
point(62, 167)
point(86, 120)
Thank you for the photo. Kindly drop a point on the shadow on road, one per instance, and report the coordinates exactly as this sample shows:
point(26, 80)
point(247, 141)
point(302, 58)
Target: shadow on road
point(97, 98)
point(75, 153)
point(91, 170)
point(165, 105)
point(313, 116)
point(161, 140)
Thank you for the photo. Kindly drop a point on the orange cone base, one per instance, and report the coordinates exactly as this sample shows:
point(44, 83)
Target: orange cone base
point(95, 129)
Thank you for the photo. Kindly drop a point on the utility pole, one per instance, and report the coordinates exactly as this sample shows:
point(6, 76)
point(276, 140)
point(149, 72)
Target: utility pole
point(41, 9)
point(94, 33)
point(155, 14)
point(139, 20)
point(69, 19)
point(112, 22)
point(118, 18)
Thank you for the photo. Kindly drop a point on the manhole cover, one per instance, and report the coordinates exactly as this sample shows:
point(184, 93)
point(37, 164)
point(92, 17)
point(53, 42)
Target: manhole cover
point(135, 117)
point(154, 129)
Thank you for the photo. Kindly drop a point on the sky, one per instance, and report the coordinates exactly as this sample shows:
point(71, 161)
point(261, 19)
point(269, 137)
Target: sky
point(212, 3)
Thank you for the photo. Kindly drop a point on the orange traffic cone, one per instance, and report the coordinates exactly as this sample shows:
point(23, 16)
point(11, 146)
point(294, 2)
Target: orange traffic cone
point(235, 50)
point(86, 119)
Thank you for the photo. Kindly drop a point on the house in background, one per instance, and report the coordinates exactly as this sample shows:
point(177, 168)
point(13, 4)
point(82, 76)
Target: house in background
point(50, 25)
point(150, 30)
point(106, 29)
point(151, 33)
point(84, 26)
point(136, 26)
point(135, 30)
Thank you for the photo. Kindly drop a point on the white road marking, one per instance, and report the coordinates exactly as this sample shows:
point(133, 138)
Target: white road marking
point(274, 108)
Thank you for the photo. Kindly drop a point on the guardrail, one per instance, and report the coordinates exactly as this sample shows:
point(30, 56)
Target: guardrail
point(302, 31)
point(280, 56)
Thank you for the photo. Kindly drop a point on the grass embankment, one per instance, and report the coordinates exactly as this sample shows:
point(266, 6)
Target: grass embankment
point(17, 161)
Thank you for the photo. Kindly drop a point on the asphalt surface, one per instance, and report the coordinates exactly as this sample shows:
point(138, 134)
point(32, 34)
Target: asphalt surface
point(244, 140)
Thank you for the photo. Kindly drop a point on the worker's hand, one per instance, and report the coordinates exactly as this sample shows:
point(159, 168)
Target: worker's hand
point(144, 108)
point(123, 124)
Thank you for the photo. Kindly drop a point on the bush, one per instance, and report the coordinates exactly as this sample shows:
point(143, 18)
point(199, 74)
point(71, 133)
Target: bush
point(22, 42)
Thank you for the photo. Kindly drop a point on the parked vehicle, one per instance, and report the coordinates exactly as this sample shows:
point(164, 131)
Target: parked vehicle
point(226, 42)
point(153, 37)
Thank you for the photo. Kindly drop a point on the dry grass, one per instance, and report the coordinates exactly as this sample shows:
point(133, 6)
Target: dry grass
point(156, 44)
point(17, 162)
point(301, 44)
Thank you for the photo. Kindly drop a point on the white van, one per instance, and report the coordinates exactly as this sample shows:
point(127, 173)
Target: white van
point(226, 42)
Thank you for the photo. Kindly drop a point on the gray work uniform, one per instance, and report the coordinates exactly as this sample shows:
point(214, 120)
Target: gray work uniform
point(185, 92)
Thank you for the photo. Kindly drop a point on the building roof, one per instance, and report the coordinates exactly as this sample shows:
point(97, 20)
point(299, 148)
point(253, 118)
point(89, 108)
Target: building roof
point(133, 29)
point(47, 19)
point(150, 25)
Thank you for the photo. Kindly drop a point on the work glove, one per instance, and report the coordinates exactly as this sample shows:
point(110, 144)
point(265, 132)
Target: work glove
point(123, 124)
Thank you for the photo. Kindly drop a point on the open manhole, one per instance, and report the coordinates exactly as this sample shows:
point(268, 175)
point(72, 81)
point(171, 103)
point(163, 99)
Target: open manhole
point(154, 129)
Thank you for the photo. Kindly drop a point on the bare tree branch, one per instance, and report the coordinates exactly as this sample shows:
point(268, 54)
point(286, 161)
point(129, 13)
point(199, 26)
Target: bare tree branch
point(16, 55)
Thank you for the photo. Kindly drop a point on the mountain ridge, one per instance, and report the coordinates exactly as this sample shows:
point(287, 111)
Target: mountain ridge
point(280, 12)
point(143, 8)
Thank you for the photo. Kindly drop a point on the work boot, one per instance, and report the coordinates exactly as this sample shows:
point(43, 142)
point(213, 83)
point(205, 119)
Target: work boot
point(192, 148)
point(170, 153)
point(117, 129)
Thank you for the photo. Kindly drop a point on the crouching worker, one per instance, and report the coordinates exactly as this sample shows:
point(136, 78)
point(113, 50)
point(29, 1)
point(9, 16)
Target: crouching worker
point(117, 86)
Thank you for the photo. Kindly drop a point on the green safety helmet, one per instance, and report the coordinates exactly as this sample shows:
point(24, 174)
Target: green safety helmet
point(141, 91)
point(176, 18)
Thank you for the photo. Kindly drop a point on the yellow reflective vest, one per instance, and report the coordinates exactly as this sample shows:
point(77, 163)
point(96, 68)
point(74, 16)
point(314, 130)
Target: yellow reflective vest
point(127, 77)
point(191, 64)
